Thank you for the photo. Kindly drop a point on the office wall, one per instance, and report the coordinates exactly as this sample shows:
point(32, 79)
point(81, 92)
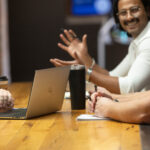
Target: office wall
point(33, 26)
point(33, 29)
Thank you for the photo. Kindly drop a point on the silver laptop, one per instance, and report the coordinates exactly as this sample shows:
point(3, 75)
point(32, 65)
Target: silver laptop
point(46, 96)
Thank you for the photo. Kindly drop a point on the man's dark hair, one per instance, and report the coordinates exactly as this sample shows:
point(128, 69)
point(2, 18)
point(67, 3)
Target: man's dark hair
point(146, 4)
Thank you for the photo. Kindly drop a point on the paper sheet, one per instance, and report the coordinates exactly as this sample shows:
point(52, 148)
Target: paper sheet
point(67, 95)
point(86, 117)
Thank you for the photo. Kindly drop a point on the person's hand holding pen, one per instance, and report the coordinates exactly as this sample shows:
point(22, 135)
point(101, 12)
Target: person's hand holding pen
point(92, 98)
point(99, 101)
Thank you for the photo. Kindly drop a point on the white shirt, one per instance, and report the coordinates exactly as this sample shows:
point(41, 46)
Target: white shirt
point(134, 70)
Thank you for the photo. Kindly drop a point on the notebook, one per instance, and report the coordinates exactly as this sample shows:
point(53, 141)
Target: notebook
point(46, 95)
point(88, 117)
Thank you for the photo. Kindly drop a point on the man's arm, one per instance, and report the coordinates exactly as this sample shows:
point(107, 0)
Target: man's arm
point(131, 111)
point(122, 97)
point(79, 51)
point(131, 108)
point(106, 81)
point(131, 96)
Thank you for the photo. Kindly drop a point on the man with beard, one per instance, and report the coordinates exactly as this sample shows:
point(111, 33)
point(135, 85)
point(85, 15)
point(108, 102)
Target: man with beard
point(133, 73)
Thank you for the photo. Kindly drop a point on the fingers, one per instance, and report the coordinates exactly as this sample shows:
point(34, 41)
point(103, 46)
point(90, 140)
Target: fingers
point(91, 92)
point(69, 35)
point(58, 62)
point(10, 106)
point(84, 39)
point(3, 103)
point(92, 104)
point(94, 100)
point(73, 46)
point(101, 107)
point(63, 46)
point(98, 104)
point(73, 33)
point(104, 92)
point(6, 100)
point(94, 96)
point(90, 107)
point(67, 40)
point(64, 39)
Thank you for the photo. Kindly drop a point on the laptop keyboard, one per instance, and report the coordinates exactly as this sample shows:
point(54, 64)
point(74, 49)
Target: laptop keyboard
point(14, 113)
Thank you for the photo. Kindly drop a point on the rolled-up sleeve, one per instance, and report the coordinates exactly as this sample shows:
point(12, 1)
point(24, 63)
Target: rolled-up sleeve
point(138, 76)
point(122, 68)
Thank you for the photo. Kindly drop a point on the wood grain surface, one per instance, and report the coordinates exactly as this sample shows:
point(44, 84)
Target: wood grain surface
point(61, 130)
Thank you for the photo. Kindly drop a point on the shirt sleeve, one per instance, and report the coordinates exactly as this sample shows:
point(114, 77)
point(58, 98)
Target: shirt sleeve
point(123, 67)
point(139, 74)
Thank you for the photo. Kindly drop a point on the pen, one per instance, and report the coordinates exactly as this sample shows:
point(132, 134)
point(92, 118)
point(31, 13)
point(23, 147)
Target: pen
point(116, 100)
point(95, 87)
point(89, 97)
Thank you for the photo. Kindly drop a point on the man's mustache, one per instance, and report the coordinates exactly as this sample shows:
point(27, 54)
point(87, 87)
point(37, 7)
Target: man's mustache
point(133, 20)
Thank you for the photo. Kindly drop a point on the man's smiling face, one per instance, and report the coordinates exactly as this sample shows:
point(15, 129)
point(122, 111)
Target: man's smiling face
point(132, 16)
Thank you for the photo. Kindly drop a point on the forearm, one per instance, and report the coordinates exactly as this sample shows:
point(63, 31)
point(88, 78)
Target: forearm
point(88, 62)
point(131, 96)
point(122, 97)
point(98, 69)
point(131, 111)
point(106, 81)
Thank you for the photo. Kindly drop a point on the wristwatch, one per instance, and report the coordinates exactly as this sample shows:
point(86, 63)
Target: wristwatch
point(90, 69)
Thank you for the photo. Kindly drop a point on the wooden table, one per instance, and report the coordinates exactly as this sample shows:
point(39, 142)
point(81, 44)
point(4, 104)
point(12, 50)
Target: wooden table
point(61, 131)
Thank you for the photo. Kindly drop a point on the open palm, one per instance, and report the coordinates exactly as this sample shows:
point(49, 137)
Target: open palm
point(74, 47)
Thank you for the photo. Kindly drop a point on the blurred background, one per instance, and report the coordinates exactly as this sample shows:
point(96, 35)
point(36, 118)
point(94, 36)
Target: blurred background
point(29, 32)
